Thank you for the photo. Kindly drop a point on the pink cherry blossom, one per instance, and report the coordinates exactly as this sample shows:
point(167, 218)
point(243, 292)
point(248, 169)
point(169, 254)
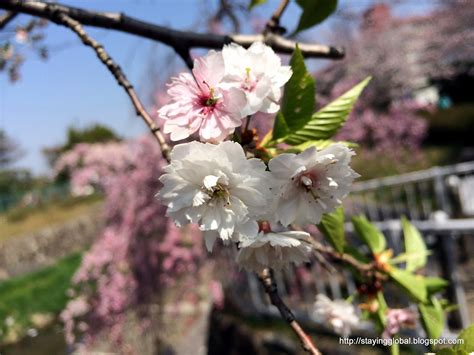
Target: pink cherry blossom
point(398, 318)
point(199, 104)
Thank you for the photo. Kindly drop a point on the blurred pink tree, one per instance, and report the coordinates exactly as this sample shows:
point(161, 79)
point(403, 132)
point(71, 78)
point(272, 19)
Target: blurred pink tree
point(139, 251)
point(403, 56)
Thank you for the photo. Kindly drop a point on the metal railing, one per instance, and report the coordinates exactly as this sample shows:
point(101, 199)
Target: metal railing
point(34, 197)
point(416, 195)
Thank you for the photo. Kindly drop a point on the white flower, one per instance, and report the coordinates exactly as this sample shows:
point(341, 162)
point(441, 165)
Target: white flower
point(9, 321)
point(311, 183)
point(339, 315)
point(258, 72)
point(275, 250)
point(216, 187)
point(32, 332)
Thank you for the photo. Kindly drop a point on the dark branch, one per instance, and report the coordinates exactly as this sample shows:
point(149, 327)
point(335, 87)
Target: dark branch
point(63, 19)
point(6, 18)
point(273, 25)
point(268, 283)
point(181, 41)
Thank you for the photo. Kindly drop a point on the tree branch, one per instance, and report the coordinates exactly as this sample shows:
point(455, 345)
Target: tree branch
point(273, 25)
point(269, 284)
point(63, 19)
point(181, 41)
point(6, 18)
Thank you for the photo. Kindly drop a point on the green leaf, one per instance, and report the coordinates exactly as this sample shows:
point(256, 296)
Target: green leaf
point(325, 123)
point(280, 128)
point(468, 336)
point(395, 348)
point(314, 12)
point(380, 317)
point(414, 244)
point(332, 227)
point(448, 306)
point(254, 3)
point(435, 284)
point(369, 234)
point(410, 283)
point(404, 257)
point(432, 318)
point(298, 101)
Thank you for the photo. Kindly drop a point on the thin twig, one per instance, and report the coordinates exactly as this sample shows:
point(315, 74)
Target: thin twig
point(346, 258)
point(247, 124)
point(6, 18)
point(273, 25)
point(226, 9)
point(63, 19)
point(181, 41)
point(269, 284)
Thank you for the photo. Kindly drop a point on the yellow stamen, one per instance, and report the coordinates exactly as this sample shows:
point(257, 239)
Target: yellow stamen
point(247, 70)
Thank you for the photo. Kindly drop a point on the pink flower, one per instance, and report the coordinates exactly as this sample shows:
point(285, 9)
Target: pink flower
point(198, 103)
point(397, 318)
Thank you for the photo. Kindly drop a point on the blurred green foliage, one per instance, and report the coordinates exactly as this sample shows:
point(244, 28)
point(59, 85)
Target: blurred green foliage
point(39, 293)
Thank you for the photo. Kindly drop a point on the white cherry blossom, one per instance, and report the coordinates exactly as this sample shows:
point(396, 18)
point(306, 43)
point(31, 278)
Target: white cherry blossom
point(311, 183)
point(217, 187)
point(339, 315)
point(258, 72)
point(275, 250)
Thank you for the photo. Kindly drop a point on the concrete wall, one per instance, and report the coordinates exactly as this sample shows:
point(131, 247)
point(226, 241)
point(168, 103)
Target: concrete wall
point(26, 253)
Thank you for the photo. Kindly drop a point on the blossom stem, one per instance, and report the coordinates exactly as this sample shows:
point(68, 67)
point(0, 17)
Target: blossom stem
point(346, 258)
point(247, 123)
point(269, 284)
point(65, 20)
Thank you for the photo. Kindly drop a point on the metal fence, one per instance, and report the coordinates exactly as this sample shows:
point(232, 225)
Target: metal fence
point(439, 201)
point(35, 197)
point(416, 195)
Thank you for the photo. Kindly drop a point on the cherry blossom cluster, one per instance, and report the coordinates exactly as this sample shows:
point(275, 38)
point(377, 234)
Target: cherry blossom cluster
point(224, 88)
point(215, 185)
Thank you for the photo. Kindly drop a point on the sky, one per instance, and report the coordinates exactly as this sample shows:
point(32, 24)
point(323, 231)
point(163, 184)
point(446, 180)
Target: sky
point(73, 88)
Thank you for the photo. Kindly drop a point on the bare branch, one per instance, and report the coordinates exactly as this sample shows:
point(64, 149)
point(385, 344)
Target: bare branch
point(268, 282)
point(6, 18)
point(273, 25)
point(63, 19)
point(181, 41)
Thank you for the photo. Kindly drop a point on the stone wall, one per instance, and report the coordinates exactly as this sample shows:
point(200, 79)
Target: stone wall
point(26, 253)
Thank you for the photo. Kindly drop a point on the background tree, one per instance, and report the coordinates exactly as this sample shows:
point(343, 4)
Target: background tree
point(10, 151)
point(12, 180)
point(94, 133)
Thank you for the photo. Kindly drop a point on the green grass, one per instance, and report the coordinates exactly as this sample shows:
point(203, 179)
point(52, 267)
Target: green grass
point(23, 220)
point(41, 292)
